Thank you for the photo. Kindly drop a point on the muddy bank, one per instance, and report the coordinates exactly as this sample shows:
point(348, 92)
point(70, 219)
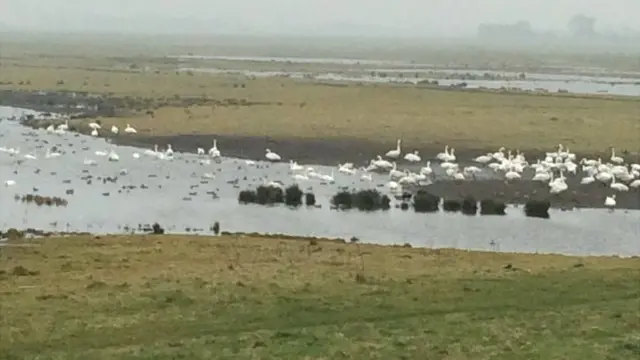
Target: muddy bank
point(320, 151)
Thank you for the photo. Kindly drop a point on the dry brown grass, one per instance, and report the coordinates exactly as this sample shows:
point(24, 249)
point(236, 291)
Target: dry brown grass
point(465, 119)
point(166, 297)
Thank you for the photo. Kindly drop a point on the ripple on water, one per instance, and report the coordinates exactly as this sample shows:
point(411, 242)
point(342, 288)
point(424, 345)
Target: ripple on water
point(89, 209)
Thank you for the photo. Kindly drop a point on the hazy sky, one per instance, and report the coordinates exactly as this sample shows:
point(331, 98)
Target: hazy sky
point(402, 17)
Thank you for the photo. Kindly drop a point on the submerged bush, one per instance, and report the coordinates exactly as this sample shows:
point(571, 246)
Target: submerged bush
point(247, 197)
point(293, 196)
point(537, 209)
point(266, 195)
point(310, 199)
point(424, 201)
point(450, 205)
point(363, 200)
point(492, 207)
point(469, 206)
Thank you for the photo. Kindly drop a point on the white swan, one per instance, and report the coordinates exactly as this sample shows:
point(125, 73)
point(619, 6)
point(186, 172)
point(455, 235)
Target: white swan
point(114, 129)
point(610, 202)
point(130, 130)
point(395, 153)
point(427, 170)
point(95, 126)
point(483, 159)
point(214, 152)
point(169, 151)
point(413, 157)
point(618, 186)
point(94, 132)
point(293, 166)
point(616, 159)
point(200, 151)
point(113, 156)
point(9, 183)
point(271, 156)
point(443, 156)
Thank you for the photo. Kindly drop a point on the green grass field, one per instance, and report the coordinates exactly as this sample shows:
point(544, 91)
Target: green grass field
point(171, 297)
point(421, 116)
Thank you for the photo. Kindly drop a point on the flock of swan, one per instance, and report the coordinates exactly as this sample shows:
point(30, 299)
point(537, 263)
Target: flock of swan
point(551, 170)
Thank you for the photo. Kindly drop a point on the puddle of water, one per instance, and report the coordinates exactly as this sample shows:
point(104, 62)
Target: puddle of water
point(579, 232)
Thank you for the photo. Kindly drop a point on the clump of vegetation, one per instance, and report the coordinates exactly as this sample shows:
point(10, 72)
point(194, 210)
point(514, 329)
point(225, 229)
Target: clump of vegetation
point(363, 200)
point(492, 207)
point(424, 201)
point(156, 229)
point(310, 199)
point(537, 209)
point(267, 195)
point(469, 206)
point(450, 205)
point(293, 196)
point(247, 197)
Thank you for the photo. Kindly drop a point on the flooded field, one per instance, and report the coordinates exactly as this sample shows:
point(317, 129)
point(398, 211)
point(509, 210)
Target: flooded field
point(189, 193)
point(377, 71)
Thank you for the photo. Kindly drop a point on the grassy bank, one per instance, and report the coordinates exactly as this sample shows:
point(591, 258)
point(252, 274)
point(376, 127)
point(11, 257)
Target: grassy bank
point(167, 297)
point(305, 109)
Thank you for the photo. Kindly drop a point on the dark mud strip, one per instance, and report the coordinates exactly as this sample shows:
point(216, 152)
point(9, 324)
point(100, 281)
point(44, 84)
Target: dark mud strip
point(331, 152)
point(577, 196)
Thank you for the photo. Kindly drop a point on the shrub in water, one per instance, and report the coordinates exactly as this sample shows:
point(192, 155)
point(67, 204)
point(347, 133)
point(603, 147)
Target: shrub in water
point(385, 202)
point(451, 205)
point(537, 209)
point(492, 207)
point(269, 195)
point(342, 200)
point(469, 206)
point(247, 197)
point(367, 200)
point(293, 196)
point(310, 199)
point(424, 201)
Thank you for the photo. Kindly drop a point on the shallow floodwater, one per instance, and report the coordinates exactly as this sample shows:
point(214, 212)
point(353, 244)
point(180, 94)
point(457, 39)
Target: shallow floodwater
point(177, 195)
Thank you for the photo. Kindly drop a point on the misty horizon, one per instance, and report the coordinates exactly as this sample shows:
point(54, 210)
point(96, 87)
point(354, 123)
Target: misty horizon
point(407, 18)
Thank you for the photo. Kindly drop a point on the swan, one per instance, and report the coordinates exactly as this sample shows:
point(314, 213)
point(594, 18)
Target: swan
point(153, 152)
point(271, 156)
point(9, 183)
point(208, 175)
point(89, 162)
point(59, 131)
point(114, 129)
point(587, 180)
point(64, 126)
point(214, 152)
point(130, 130)
point(169, 151)
point(300, 177)
point(604, 176)
point(113, 156)
point(558, 187)
point(135, 155)
point(635, 184)
point(610, 202)
point(392, 185)
point(94, 132)
point(95, 126)
point(200, 151)
point(346, 169)
point(328, 178)
point(452, 155)
point(458, 176)
point(499, 155)
point(101, 153)
point(512, 175)
point(379, 162)
point(412, 157)
point(616, 159)
point(49, 154)
point(30, 157)
point(443, 156)
point(366, 177)
point(542, 176)
point(483, 159)
point(394, 154)
point(427, 170)
point(395, 173)
point(293, 166)
point(51, 129)
point(618, 186)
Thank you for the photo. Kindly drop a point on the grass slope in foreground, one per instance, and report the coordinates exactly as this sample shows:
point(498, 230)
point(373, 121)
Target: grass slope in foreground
point(383, 113)
point(169, 297)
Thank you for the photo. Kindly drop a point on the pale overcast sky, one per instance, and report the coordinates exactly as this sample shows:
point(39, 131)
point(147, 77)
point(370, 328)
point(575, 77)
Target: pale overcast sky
point(428, 18)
